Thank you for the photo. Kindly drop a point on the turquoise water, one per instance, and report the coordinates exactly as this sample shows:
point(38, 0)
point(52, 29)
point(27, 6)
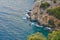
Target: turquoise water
point(12, 27)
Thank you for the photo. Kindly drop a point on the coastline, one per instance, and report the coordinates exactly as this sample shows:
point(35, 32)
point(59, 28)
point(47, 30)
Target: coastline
point(44, 21)
point(36, 22)
point(41, 19)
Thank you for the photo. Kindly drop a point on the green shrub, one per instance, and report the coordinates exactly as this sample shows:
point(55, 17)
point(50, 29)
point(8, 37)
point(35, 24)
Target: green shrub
point(44, 5)
point(55, 12)
point(51, 11)
point(51, 22)
point(55, 35)
point(54, 1)
point(37, 36)
point(59, 24)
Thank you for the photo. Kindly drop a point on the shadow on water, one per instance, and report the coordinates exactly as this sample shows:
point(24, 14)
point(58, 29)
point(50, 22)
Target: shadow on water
point(42, 30)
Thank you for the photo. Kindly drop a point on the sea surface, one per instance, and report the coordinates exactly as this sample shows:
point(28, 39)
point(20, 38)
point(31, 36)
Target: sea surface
point(12, 26)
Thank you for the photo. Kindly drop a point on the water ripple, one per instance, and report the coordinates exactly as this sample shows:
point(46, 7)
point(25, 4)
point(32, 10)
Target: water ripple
point(12, 27)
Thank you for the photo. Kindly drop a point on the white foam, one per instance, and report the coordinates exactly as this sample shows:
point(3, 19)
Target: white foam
point(48, 28)
point(27, 15)
point(32, 24)
point(24, 18)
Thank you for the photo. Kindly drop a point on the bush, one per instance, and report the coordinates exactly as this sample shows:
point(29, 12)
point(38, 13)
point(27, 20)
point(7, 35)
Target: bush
point(55, 12)
point(54, 1)
point(59, 24)
point(51, 11)
point(37, 36)
point(51, 22)
point(55, 35)
point(44, 5)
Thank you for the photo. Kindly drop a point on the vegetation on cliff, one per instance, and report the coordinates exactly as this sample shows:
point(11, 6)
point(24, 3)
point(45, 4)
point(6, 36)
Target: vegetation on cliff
point(55, 12)
point(53, 20)
point(44, 5)
point(59, 24)
point(51, 23)
point(54, 1)
point(37, 36)
point(55, 35)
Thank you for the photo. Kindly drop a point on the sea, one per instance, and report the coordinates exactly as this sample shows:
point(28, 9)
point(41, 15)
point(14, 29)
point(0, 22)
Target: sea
point(12, 26)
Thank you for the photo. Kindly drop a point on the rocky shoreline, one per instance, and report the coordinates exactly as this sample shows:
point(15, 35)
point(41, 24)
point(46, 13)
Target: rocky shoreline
point(41, 20)
point(36, 23)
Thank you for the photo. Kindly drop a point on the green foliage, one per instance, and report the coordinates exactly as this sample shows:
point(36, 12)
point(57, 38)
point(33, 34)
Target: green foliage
point(44, 5)
point(37, 36)
point(55, 35)
point(51, 22)
point(55, 12)
point(59, 24)
point(50, 11)
point(54, 1)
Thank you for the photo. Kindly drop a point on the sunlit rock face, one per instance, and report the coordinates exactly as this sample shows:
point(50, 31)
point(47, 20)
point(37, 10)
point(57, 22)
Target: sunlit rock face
point(45, 16)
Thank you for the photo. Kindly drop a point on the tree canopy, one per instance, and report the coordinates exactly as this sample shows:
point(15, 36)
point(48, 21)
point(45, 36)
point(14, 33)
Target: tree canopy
point(44, 5)
point(55, 12)
point(55, 35)
point(51, 22)
point(36, 36)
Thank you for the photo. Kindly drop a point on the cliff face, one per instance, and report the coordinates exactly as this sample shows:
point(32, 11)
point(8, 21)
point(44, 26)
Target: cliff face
point(36, 13)
point(43, 17)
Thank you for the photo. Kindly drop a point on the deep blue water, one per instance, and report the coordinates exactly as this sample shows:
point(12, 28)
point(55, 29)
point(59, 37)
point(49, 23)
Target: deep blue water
point(12, 27)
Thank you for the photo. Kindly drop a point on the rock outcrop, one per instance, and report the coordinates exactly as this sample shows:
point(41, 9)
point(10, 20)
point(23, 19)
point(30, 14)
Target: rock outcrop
point(43, 17)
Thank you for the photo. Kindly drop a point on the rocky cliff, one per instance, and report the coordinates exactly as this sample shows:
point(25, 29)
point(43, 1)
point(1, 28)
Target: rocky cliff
point(42, 16)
